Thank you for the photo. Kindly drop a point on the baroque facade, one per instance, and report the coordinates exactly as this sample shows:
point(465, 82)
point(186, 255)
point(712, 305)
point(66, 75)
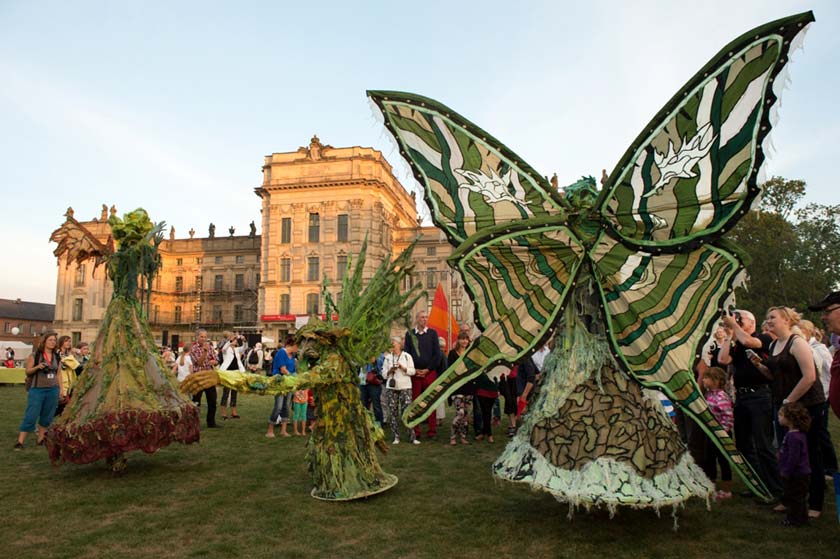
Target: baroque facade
point(318, 204)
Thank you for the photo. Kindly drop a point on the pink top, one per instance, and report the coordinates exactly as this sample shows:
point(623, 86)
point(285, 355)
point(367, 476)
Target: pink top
point(721, 407)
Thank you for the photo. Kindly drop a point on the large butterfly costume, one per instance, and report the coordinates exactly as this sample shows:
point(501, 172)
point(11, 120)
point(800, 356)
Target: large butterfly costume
point(649, 245)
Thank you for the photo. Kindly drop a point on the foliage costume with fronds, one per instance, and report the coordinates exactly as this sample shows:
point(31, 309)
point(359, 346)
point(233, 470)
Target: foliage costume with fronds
point(126, 399)
point(628, 281)
point(342, 448)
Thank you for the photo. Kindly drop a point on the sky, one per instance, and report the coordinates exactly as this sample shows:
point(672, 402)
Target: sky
point(172, 106)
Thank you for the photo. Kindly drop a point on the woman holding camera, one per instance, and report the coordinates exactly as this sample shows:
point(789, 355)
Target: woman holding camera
point(398, 368)
point(44, 382)
point(231, 362)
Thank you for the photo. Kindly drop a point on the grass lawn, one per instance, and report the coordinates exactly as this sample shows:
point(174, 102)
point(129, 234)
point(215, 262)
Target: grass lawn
point(238, 494)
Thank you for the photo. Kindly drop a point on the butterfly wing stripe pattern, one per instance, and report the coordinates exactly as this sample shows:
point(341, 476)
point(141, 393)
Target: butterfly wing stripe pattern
point(520, 282)
point(659, 308)
point(693, 171)
point(471, 181)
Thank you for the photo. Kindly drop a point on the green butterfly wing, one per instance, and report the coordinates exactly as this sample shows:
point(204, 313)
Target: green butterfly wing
point(513, 250)
point(471, 181)
point(519, 282)
point(659, 308)
point(692, 172)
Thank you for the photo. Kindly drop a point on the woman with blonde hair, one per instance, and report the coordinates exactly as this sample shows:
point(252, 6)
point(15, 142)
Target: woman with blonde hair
point(791, 361)
point(43, 383)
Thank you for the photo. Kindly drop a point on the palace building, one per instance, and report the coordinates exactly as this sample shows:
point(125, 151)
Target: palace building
point(317, 206)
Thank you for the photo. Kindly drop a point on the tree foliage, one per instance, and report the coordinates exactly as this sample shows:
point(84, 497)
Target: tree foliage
point(792, 249)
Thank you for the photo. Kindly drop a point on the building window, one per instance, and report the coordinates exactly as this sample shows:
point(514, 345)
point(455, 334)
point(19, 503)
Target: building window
point(312, 303)
point(431, 278)
point(431, 251)
point(179, 284)
point(198, 283)
point(156, 313)
point(78, 305)
point(286, 230)
point(340, 267)
point(157, 282)
point(314, 228)
point(285, 269)
point(179, 261)
point(240, 259)
point(217, 313)
point(198, 260)
point(284, 303)
point(239, 282)
point(80, 275)
point(7, 327)
point(312, 269)
point(177, 314)
point(75, 338)
point(217, 260)
point(343, 228)
point(197, 312)
point(237, 313)
point(217, 283)
point(257, 279)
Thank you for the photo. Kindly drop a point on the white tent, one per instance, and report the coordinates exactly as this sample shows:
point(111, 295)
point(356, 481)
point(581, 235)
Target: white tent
point(22, 349)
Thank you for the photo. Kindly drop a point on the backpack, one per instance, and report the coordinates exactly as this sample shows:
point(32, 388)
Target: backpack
point(32, 380)
point(253, 357)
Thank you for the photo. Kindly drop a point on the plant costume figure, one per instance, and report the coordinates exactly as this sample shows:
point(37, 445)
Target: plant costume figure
point(629, 280)
point(125, 399)
point(341, 454)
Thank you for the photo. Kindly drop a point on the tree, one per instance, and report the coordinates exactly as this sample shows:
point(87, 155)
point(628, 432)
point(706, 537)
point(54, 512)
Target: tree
point(793, 252)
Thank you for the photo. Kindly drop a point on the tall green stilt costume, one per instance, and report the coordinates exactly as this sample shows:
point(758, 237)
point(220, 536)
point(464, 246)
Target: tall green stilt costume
point(342, 448)
point(125, 398)
point(629, 279)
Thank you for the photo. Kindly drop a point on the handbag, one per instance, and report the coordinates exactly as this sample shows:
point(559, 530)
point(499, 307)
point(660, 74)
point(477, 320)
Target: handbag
point(372, 378)
point(392, 383)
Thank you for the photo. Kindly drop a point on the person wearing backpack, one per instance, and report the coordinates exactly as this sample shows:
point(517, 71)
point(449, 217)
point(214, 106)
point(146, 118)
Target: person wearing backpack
point(43, 385)
point(254, 361)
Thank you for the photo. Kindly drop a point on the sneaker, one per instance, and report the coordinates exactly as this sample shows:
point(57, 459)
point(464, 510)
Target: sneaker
point(396, 440)
point(415, 441)
point(18, 446)
point(511, 431)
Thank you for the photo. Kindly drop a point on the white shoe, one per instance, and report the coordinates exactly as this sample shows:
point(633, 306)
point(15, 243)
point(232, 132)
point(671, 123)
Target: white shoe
point(415, 441)
point(396, 441)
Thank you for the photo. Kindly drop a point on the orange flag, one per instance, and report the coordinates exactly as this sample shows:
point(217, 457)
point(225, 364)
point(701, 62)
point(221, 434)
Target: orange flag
point(439, 318)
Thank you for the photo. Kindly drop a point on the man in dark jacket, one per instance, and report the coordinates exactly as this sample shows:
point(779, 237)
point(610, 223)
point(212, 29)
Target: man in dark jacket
point(421, 342)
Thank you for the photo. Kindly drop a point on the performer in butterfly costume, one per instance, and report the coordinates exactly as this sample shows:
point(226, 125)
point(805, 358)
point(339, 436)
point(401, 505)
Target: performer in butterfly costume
point(125, 399)
point(630, 279)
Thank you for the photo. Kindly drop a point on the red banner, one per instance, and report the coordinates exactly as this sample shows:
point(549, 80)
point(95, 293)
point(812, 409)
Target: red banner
point(277, 318)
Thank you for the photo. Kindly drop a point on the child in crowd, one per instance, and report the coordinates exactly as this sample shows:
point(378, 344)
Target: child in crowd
point(183, 365)
point(793, 463)
point(720, 405)
point(311, 415)
point(299, 416)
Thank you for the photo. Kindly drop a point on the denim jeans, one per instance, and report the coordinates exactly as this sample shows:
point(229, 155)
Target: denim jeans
point(754, 436)
point(281, 411)
point(40, 406)
point(372, 396)
point(828, 454)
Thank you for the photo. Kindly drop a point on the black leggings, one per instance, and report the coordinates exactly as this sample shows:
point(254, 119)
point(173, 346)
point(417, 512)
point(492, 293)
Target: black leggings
point(486, 405)
point(714, 456)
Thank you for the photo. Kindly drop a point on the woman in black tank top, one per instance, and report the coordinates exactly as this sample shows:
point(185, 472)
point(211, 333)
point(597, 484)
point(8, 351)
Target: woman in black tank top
point(791, 361)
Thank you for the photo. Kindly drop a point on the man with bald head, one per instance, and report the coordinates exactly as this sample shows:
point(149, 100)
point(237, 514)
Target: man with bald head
point(421, 342)
point(204, 359)
point(753, 400)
